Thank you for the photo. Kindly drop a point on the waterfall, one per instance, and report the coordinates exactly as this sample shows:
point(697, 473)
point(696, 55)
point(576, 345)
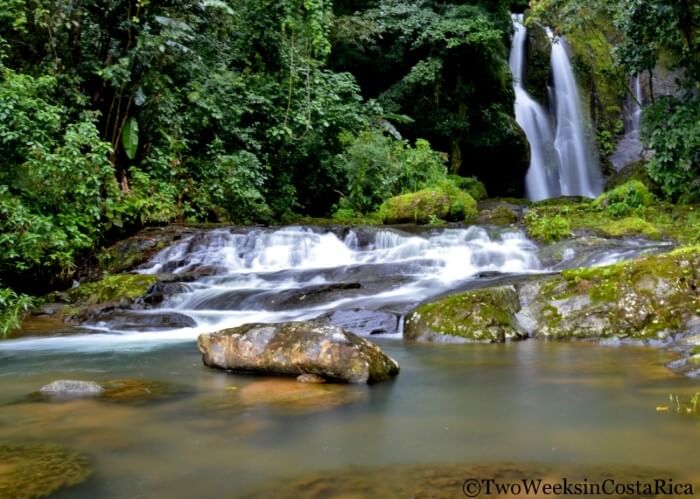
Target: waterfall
point(564, 161)
point(630, 149)
point(541, 181)
point(580, 168)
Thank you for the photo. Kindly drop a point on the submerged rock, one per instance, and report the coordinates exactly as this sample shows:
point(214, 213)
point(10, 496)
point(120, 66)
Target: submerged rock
point(288, 394)
point(296, 348)
point(364, 322)
point(121, 391)
point(71, 388)
point(29, 471)
point(483, 315)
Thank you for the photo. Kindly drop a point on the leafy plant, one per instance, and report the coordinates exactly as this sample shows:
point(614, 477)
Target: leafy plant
point(12, 306)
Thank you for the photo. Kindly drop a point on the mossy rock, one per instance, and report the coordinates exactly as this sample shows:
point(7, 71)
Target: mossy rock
point(447, 203)
point(483, 315)
point(500, 215)
point(539, 66)
point(630, 226)
point(110, 292)
point(471, 185)
point(29, 471)
point(651, 298)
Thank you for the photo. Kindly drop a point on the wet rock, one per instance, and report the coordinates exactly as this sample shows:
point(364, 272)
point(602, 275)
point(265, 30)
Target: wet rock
point(30, 471)
point(126, 320)
point(72, 388)
point(483, 315)
point(650, 299)
point(364, 322)
point(311, 379)
point(290, 395)
point(296, 348)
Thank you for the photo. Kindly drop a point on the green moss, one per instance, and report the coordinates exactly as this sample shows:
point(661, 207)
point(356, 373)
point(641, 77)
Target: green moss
point(658, 220)
point(624, 198)
point(500, 215)
point(630, 226)
point(637, 299)
point(471, 185)
point(29, 471)
point(112, 288)
point(444, 203)
point(480, 315)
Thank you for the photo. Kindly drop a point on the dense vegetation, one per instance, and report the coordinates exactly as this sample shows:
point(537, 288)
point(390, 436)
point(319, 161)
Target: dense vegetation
point(115, 114)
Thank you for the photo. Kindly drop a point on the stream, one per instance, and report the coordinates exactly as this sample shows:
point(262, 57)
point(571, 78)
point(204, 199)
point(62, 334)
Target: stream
point(221, 435)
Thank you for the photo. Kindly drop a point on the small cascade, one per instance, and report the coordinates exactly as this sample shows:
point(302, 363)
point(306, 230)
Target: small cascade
point(630, 148)
point(580, 168)
point(542, 180)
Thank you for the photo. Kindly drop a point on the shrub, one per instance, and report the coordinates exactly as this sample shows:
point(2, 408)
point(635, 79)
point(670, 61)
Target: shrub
point(623, 199)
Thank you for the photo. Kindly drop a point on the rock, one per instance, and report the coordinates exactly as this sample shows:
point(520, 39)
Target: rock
point(539, 65)
point(296, 348)
point(71, 388)
point(648, 299)
point(30, 471)
point(482, 315)
point(128, 320)
point(311, 379)
point(364, 322)
point(121, 391)
point(501, 214)
point(289, 395)
point(136, 391)
point(111, 292)
point(447, 203)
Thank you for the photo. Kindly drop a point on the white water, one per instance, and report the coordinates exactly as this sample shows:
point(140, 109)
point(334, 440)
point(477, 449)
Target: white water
point(630, 149)
point(394, 271)
point(580, 169)
point(542, 179)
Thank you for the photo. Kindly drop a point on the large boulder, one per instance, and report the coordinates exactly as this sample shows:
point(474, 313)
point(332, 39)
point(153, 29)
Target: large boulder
point(483, 315)
point(296, 348)
point(651, 298)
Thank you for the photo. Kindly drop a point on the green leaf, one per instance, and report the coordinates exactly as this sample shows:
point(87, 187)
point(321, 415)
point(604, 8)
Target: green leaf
point(130, 138)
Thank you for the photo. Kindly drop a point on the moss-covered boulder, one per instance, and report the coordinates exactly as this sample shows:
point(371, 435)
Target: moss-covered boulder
point(295, 348)
point(29, 471)
point(483, 315)
point(646, 299)
point(446, 203)
point(471, 185)
point(112, 291)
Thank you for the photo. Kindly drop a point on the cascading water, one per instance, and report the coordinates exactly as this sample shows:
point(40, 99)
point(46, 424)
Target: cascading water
point(580, 168)
point(630, 148)
point(563, 162)
point(542, 180)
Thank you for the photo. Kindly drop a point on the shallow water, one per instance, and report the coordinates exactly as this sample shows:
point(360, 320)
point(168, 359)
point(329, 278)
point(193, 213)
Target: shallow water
point(529, 402)
point(532, 403)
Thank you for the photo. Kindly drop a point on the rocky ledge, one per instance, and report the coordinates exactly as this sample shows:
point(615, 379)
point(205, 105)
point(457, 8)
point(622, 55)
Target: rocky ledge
point(297, 349)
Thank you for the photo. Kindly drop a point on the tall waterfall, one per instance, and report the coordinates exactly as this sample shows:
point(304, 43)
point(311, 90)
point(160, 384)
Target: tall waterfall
point(564, 161)
point(580, 168)
point(542, 179)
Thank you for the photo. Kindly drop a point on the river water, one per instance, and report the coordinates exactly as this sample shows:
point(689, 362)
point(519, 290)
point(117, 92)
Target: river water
point(531, 403)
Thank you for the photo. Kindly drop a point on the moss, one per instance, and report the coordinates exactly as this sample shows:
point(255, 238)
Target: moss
point(624, 198)
point(446, 202)
point(471, 185)
point(636, 299)
point(28, 471)
point(658, 220)
point(480, 315)
point(539, 66)
point(630, 226)
point(500, 215)
point(112, 288)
